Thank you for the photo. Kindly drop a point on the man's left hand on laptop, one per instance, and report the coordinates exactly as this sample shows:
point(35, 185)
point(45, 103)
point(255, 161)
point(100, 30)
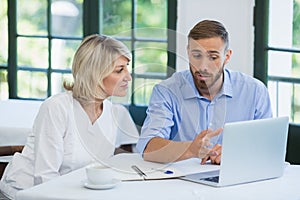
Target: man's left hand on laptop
point(214, 155)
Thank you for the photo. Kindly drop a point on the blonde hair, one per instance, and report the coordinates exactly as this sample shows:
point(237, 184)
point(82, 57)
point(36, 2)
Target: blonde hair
point(93, 61)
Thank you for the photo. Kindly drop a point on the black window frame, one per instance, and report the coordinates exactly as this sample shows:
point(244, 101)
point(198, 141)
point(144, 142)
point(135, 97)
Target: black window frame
point(261, 49)
point(91, 25)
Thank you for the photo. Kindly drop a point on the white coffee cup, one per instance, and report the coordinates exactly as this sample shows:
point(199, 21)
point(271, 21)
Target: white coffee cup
point(99, 174)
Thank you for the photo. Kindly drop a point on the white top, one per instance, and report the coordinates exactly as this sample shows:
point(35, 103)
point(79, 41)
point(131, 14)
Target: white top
point(62, 140)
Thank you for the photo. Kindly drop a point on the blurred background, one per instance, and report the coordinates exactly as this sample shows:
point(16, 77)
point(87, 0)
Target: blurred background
point(39, 38)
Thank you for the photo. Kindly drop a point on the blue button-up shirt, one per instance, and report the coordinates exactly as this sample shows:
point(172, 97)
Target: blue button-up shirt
point(178, 112)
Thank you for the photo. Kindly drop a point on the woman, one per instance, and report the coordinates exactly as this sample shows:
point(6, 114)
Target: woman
point(75, 127)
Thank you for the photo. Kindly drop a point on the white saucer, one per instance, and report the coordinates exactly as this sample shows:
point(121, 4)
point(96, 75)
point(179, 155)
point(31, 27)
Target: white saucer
point(113, 183)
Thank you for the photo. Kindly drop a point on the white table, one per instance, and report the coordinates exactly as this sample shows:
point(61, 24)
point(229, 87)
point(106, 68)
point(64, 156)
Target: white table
point(16, 120)
point(70, 187)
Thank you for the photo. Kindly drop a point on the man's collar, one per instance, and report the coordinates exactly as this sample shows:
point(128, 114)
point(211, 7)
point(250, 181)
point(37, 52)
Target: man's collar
point(227, 86)
point(189, 89)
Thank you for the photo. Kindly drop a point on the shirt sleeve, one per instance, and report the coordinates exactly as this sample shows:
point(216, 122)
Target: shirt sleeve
point(263, 103)
point(49, 129)
point(159, 121)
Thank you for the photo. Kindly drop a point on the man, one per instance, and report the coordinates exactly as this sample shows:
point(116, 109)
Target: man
point(186, 112)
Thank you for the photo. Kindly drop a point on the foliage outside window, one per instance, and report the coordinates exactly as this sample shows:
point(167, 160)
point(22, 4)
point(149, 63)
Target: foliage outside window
point(49, 31)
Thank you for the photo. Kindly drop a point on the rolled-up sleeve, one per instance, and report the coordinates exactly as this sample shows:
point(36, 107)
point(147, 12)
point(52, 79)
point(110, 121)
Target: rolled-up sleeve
point(159, 120)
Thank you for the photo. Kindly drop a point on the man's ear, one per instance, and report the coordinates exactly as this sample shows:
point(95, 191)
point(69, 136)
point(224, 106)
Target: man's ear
point(228, 56)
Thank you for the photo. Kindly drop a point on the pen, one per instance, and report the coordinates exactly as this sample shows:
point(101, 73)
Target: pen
point(164, 171)
point(140, 172)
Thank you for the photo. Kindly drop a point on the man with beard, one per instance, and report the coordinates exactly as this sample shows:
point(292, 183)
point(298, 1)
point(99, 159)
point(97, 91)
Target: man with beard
point(186, 112)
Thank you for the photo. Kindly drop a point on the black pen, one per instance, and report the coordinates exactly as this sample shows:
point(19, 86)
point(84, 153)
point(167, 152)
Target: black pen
point(140, 172)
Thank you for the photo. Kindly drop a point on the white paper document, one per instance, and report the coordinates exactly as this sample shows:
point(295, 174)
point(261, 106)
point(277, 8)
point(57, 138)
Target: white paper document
point(124, 170)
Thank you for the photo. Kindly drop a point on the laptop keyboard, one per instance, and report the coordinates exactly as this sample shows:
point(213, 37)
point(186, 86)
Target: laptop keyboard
point(212, 179)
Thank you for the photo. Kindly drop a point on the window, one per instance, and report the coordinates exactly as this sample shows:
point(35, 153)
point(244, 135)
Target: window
point(42, 36)
point(277, 54)
point(3, 50)
point(276, 62)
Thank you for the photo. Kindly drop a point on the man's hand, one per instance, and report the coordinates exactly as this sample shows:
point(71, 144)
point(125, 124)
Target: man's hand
point(214, 155)
point(200, 145)
point(165, 151)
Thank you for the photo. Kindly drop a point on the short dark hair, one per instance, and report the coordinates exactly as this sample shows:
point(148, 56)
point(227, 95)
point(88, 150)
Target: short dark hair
point(209, 29)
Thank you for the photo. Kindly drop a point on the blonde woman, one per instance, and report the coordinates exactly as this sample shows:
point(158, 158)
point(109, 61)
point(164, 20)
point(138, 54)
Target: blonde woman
point(73, 127)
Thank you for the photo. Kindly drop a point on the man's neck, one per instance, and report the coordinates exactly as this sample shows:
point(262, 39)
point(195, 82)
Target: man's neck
point(212, 91)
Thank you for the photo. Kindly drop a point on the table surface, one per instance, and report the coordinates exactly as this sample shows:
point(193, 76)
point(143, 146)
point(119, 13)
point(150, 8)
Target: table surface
point(70, 186)
point(16, 120)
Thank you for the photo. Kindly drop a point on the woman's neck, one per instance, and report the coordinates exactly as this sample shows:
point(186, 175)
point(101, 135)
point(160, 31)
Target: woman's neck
point(93, 110)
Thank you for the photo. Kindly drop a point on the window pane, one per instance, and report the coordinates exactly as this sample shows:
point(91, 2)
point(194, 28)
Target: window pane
point(284, 20)
point(66, 18)
point(284, 64)
point(280, 24)
point(296, 24)
point(280, 63)
point(285, 99)
point(3, 85)
point(32, 17)
point(115, 17)
point(33, 52)
point(143, 89)
point(157, 9)
point(296, 65)
point(156, 33)
point(62, 53)
point(280, 97)
point(57, 80)
point(3, 33)
point(32, 84)
point(151, 57)
point(296, 106)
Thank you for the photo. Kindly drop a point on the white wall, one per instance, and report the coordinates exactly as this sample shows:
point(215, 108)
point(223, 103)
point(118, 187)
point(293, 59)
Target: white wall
point(236, 15)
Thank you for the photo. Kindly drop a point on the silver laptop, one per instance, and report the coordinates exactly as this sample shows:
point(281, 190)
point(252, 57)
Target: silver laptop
point(251, 151)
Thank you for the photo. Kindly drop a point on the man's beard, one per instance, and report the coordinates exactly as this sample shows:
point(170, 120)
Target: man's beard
point(206, 85)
